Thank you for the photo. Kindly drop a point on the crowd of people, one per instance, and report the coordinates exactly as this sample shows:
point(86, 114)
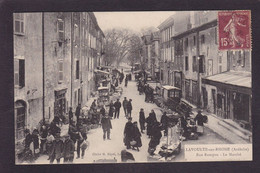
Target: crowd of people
point(144, 88)
point(48, 139)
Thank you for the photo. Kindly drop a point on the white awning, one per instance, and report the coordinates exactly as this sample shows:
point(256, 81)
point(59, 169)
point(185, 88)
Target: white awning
point(243, 79)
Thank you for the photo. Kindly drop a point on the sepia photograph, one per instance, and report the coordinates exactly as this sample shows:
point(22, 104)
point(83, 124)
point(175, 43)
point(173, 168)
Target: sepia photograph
point(132, 87)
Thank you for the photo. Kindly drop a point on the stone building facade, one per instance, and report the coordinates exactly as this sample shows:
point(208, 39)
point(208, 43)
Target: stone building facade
point(28, 71)
point(146, 52)
point(55, 54)
point(155, 53)
point(217, 81)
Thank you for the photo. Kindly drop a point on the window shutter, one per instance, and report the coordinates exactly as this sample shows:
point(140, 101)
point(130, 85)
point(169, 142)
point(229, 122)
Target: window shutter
point(22, 27)
point(21, 73)
point(60, 29)
point(77, 69)
point(201, 65)
point(60, 71)
point(16, 72)
point(17, 26)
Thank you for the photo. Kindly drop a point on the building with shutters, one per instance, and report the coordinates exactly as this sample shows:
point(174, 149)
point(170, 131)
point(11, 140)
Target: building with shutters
point(55, 54)
point(28, 71)
point(218, 81)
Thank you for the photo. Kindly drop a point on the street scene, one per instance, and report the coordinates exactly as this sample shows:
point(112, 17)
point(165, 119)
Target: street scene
point(116, 87)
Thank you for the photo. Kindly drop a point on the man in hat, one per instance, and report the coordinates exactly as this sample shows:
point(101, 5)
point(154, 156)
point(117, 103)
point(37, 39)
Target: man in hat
point(200, 122)
point(106, 126)
point(78, 112)
point(125, 103)
point(117, 106)
point(126, 156)
point(164, 122)
point(199, 118)
point(126, 80)
point(129, 108)
point(128, 133)
point(136, 137)
point(142, 120)
point(69, 148)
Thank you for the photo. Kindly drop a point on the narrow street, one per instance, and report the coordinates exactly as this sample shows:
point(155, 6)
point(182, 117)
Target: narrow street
point(109, 150)
point(189, 61)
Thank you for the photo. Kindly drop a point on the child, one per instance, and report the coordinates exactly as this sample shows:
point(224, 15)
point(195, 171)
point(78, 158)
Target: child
point(69, 149)
point(35, 138)
point(49, 140)
point(56, 150)
point(43, 135)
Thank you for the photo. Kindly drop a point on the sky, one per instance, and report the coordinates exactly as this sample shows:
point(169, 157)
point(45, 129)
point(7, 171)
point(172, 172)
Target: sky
point(131, 20)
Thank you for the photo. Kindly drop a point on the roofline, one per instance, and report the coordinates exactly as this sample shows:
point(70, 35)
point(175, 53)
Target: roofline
point(210, 24)
point(94, 19)
point(167, 22)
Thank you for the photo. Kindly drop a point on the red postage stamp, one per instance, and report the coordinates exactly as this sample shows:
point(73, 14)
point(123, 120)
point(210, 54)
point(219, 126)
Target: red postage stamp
point(234, 30)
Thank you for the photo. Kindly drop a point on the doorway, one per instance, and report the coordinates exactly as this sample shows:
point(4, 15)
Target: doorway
point(213, 92)
point(60, 103)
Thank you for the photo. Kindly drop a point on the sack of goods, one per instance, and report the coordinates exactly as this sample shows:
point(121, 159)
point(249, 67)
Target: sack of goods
point(205, 119)
point(84, 144)
point(133, 143)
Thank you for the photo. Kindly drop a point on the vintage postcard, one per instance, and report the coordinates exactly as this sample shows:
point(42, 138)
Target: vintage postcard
point(116, 87)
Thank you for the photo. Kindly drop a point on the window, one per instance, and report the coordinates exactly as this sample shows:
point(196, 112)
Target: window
point(186, 63)
point(60, 68)
point(79, 96)
point(219, 101)
point(187, 89)
point(76, 33)
point(20, 111)
point(77, 69)
point(19, 72)
point(171, 94)
point(194, 64)
point(202, 38)
point(61, 30)
point(241, 58)
point(194, 40)
point(186, 43)
point(232, 55)
point(202, 64)
point(75, 97)
point(19, 23)
point(220, 59)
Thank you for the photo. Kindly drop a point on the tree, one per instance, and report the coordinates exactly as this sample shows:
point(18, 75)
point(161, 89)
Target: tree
point(135, 46)
point(117, 45)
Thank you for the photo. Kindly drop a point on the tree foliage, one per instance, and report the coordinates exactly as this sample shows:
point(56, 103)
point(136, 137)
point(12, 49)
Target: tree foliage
point(117, 45)
point(134, 50)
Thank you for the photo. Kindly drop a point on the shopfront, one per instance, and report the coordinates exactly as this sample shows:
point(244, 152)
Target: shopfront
point(60, 102)
point(233, 96)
